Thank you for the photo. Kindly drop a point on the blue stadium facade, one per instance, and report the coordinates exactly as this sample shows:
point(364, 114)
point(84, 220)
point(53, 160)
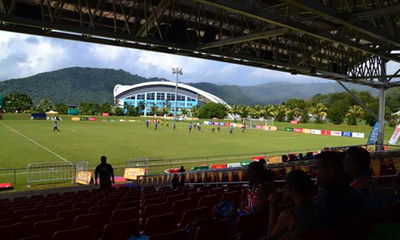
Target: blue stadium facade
point(162, 94)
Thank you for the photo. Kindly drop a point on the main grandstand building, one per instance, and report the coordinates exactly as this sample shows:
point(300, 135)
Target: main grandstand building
point(162, 94)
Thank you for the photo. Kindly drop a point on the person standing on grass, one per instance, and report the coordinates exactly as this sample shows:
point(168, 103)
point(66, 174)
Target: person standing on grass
point(243, 127)
point(174, 126)
point(190, 127)
point(147, 123)
point(105, 173)
point(155, 124)
point(231, 129)
point(213, 129)
point(219, 127)
point(56, 127)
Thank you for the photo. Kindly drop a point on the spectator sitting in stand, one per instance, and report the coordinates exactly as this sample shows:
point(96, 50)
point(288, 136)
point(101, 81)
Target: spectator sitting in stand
point(301, 156)
point(292, 158)
point(339, 204)
point(357, 163)
point(302, 216)
point(284, 158)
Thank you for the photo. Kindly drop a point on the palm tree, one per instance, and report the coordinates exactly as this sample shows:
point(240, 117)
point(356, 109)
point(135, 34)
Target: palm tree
point(234, 110)
point(354, 113)
point(153, 109)
point(268, 111)
point(256, 113)
point(280, 113)
point(164, 111)
point(184, 112)
point(244, 111)
point(319, 111)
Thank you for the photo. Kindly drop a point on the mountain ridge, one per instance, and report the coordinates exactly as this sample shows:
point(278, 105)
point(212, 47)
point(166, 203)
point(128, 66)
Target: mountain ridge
point(78, 84)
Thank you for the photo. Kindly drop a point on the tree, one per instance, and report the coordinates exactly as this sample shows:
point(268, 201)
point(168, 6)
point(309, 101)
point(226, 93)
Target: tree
point(62, 108)
point(16, 102)
point(305, 116)
point(132, 111)
point(89, 108)
point(336, 113)
point(153, 109)
point(164, 111)
point(319, 112)
point(104, 108)
point(184, 111)
point(354, 113)
point(268, 111)
point(213, 110)
point(256, 111)
point(234, 110)
point(45, 105)
point(244, 111)
point(119, 111)
point(195, 110)
point(280, 113)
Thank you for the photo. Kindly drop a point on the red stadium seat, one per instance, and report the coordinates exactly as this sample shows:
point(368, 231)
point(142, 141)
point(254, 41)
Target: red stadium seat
point(46, 229)
point(217, 191)
point(234, 197)
point(213, 230)
point(70, 214)
point(81, 233)
point(7, 221)
point(53, 209)
point(29, 221)
point(193, 214)
point(175, 235)
point(160, 224)
point(172, 198)
point(180, 206)
point(96, 221)
point(110, 201)
point(196, 195)
point(11, 232)
point(128, 204)
point(208, 201)
point(21, 213)
point(124, 214)
point(120, 230)
point(155, 209)
point(106, 209)
point(149, 201)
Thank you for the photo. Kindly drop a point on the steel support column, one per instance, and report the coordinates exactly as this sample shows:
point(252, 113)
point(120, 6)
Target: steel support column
point(382, 98)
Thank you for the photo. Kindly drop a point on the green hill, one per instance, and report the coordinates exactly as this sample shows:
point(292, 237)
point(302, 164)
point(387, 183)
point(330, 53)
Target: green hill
point(75, 85)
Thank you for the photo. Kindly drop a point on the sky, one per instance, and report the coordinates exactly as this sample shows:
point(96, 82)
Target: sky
point(24, 55)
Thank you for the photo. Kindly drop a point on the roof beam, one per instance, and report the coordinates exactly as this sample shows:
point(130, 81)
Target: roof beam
point(265, 16)
point(333, 15)
point(365, 15)
point(153, 17)
point(244, 38)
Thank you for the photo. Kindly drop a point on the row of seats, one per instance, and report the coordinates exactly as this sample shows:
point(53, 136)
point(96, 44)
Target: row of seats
point(101, 214)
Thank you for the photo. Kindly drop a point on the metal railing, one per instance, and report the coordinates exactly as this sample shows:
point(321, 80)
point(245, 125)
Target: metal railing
point(54, 172)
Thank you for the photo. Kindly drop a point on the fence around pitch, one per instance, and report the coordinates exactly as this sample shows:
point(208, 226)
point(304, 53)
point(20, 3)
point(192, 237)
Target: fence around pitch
point(47, 173)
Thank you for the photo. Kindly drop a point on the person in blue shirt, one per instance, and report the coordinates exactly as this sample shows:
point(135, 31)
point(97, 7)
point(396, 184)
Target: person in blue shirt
point(190, 127)
point(155, 124)
point(147, 123)
point(231, 129)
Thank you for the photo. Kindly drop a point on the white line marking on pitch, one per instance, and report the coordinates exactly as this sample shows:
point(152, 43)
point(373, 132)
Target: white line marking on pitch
point(34, 142)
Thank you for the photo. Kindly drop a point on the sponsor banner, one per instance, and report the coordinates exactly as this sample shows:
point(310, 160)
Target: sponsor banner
point(395, 136)
point(132, 173)
point(346, 134)
point(306, 130)
point(218, 166)
point(234, 165)
point(297, 130)
point(357, 135)
point(326, 132)
point(206, 122)
point(84, 118)
point(227, 124)
point(289, 129)
point(336, 133)
point(222, 124)
point(294, 122)
point(275, 159)
point(84, 177)
point(259, 127)
point(91, 118)
point(216, 123)
point(373, 136)
point(75, 118)
point(316, 131)
point(234, 124)
point(122, 120)
point(273, 128)
point(131, 120)
point(105, 114)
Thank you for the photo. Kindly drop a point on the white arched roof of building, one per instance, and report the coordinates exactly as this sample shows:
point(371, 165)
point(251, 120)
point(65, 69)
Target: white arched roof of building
point(119, 89)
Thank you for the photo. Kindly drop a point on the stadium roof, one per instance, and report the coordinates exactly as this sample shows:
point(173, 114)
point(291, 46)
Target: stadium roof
point(346, 40)
point(120, 90)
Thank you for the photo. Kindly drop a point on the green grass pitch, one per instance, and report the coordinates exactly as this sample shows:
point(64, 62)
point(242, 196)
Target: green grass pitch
point(24, 141)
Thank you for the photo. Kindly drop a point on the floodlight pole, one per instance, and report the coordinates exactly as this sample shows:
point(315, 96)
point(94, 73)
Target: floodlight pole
point(178, 71)
point(382, 98)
